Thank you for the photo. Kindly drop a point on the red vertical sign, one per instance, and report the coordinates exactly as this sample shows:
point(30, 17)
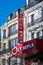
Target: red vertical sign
point(20, 28)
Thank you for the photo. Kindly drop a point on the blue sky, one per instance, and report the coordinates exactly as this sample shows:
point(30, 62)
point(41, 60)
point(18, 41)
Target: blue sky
point(7, 7)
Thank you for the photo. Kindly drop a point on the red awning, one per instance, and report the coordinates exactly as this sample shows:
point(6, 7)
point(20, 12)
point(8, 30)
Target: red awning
point(27, 47)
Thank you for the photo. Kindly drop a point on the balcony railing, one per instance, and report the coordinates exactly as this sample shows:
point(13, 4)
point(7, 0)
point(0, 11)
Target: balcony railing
point(39, 20)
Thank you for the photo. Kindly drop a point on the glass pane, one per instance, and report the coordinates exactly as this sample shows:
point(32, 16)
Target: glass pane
point(13, 42)
point(4, 33)
point(38, 13)
point(16, 41)
point(16, 26)
point(38, 34)
point(13, 29)
point(13, 60)
point(32, 35)
point(4, 46)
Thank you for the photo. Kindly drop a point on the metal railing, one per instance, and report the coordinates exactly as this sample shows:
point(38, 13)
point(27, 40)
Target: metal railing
point(39, 20)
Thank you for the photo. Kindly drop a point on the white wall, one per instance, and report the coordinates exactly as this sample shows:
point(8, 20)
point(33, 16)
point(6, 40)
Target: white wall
point(37, 14)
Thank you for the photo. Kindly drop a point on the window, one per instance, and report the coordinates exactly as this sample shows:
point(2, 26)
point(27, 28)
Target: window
point(13, 61)
point(4, 33)
point(38, 34)
point(38, 13)
point(4, 62)
point(42, 13)
point(42, 33)
point(32, 35)
point(14, 42)
point(13, 29)
point(9, 45)
point(16, 61)
point(32, 19)
point(4, 46)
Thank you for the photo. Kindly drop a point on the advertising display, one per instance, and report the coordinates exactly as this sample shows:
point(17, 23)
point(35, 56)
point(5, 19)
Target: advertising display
point(20, 28)
point(27, 47)
point(19, 49)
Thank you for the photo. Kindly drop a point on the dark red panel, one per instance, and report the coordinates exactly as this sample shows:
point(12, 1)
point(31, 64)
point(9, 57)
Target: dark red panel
point(20, 28)
point(24, 48)
point(39, 44)
point(27, 47)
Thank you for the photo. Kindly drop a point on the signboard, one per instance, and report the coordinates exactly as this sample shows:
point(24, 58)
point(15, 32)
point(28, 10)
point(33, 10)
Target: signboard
point(20, 28)
point(23, 48)
point(27, 47)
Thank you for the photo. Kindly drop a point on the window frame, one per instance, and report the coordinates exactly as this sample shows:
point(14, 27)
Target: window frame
point(13, 42)
point(4, 33)
point(4, 46)
point(14, 29)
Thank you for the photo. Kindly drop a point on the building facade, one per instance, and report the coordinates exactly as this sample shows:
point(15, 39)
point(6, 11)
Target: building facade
point(32, 35)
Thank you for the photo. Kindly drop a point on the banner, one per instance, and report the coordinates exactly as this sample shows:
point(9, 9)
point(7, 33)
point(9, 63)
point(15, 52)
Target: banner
point(23, 48)
point(20, 28)
point(27, 47)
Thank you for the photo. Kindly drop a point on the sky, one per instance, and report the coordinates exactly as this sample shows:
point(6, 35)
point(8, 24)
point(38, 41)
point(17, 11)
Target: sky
point(7, 7)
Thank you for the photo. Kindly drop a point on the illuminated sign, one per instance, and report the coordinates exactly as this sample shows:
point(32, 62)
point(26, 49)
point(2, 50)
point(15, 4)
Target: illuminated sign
point(16, 50)
point(27, 47)
point(20, 49)
point(20, 28)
